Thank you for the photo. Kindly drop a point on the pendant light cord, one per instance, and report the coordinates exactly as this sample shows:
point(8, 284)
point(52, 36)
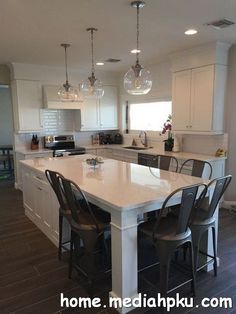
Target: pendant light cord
point(66, 64)
point(93, 69)
point(137, 42)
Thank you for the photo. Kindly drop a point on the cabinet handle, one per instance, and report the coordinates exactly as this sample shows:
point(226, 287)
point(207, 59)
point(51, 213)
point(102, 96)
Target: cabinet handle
point(186, 126)
point(190, 126)
point(40, 189)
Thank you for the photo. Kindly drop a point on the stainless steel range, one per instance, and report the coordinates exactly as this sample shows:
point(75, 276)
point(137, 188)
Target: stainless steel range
point(62, 145)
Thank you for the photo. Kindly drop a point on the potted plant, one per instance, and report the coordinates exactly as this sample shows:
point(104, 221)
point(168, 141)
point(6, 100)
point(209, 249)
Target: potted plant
point(167, 127)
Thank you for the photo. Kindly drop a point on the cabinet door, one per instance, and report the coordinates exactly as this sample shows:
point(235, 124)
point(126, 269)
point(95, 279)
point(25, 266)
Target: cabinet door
point(43, 202)
point(28, 196)
point(107, 152)
point(90, 115)
point(108, 108)
point(202, 91)
point(181, 91)
point(27, 104)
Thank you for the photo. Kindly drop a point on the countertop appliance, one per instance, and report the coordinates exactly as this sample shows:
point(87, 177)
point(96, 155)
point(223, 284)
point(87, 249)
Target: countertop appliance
point(118, 138)
point(62, 145)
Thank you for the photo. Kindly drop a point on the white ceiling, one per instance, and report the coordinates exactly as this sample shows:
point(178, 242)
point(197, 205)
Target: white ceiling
point(31, 30)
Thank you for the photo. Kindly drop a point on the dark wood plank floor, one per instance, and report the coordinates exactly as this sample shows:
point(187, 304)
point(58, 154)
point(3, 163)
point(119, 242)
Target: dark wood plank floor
point(31, 277)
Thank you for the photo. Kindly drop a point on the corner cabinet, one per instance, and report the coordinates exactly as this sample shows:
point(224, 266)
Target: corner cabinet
point(198, 99)
point(99, 114)
point(27, 105)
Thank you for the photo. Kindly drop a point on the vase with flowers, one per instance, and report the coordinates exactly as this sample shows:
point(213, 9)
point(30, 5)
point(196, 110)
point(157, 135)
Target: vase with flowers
point(167, 127)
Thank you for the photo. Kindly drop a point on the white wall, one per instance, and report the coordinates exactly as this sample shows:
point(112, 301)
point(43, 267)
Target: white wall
point(230, 123)
point(6, 118)
point(56, 75)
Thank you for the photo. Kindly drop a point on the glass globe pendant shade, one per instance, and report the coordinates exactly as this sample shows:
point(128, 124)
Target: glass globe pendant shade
point(137, 81)
point(68, 93)
point(92, 88)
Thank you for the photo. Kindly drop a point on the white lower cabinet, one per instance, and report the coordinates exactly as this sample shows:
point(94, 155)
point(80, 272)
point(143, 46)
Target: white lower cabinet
point(28, 196)
point(21, 156)
point(41, 205)
point(127, 156)
point(105, 152)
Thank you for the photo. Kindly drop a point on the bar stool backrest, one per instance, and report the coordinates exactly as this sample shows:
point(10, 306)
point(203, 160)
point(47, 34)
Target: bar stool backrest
point(197, 167)
point(221, 185)
point(188, 197)
point(166, 162)
point(78, 204)
point(52, 177)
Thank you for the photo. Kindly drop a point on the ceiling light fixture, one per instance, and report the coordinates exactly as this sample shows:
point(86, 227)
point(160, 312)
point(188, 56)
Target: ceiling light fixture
point(92, 87)
point(190, 32)
point(100, 63)
point(135, 51)
point(67, 92)
point(137, 81)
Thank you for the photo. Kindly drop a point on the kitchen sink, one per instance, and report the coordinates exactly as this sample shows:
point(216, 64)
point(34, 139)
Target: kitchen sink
point(136, 147)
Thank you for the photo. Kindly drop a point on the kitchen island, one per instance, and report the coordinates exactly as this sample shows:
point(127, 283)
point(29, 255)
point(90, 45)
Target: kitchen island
point(123, 189)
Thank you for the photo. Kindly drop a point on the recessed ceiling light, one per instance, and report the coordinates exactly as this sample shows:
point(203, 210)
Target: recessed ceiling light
point(100, 63)
point(190, 31)
point(135, 51)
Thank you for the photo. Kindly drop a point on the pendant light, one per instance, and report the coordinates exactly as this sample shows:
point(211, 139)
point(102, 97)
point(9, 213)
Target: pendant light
point(92, 87)
point(67, 92)
point(137, 81)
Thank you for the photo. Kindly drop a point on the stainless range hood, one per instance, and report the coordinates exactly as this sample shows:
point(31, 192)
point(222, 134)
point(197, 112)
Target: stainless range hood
point(51, 99)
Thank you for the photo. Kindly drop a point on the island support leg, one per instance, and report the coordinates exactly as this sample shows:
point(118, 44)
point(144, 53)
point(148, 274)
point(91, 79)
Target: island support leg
point(124, 256)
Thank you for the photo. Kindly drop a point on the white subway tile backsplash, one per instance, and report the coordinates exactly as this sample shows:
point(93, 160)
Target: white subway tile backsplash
point(57, 121)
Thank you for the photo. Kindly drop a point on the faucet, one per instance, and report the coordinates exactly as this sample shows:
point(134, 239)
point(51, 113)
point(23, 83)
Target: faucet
point(145, 138)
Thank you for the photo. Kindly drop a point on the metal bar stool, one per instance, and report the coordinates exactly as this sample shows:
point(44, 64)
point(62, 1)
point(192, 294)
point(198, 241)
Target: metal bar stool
point(197, 168)
point(64, 211)
point(89, 236)
point(170, 233)
point(203, 219)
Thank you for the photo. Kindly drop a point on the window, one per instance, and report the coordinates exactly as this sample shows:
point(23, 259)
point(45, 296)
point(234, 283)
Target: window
point(149, 116)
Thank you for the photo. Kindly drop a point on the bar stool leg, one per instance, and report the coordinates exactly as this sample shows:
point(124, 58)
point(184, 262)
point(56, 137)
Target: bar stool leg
point(60, 236)
point(214, 250)
point(193, 283)
point(71, 254)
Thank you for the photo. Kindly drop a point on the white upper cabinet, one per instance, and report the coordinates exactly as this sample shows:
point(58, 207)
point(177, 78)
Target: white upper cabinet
point(100, 114)
point(90, 115)
point(198, 99)
point(181, 87)
point(27, 104)
point(198, 88)
point(108, 108)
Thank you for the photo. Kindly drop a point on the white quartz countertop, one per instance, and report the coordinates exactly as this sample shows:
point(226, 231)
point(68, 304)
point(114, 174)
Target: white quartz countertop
point(116, 184)
point(26, 151)
point(154, 151)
